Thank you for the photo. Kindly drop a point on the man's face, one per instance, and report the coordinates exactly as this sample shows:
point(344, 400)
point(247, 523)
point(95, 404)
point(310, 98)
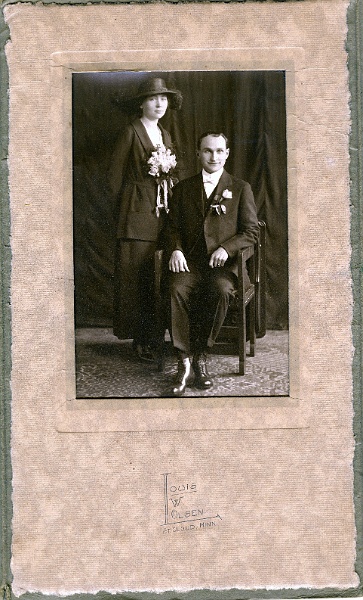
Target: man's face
point(213, 153)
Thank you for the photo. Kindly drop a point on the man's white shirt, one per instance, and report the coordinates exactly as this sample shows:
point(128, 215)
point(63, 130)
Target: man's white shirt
point(210, 180)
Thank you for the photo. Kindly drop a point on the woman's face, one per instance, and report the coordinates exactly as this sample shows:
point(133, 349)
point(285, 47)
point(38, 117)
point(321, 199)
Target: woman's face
point(154, 107)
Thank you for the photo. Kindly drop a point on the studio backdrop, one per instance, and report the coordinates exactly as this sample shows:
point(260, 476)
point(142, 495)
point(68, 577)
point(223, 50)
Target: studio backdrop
point(248, 106)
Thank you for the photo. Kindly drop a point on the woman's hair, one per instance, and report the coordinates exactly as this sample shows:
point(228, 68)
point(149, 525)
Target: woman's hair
point(214, 134)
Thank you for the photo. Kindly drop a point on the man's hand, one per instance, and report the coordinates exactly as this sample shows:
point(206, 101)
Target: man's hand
point(177, 262)
point(218, 258)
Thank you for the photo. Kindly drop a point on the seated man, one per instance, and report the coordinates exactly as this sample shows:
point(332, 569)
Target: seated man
point(212, 216)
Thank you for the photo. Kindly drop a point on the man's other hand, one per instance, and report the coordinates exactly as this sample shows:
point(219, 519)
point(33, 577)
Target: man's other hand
point(177, 262)
point(218, 258)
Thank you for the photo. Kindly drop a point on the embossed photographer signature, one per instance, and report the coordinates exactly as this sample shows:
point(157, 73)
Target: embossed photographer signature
point(181, 505)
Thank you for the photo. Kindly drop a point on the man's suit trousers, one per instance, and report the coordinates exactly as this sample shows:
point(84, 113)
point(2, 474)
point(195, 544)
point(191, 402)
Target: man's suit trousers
point(199, 303)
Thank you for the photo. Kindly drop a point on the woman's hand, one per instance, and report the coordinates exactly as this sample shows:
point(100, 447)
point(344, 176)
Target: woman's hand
point(177, 262)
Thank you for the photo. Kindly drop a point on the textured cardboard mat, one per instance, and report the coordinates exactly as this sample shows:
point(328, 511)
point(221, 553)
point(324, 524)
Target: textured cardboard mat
point(191, 494)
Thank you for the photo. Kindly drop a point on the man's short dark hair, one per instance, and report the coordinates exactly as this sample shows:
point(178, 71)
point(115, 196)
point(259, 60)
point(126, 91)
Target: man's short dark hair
point(214, 134)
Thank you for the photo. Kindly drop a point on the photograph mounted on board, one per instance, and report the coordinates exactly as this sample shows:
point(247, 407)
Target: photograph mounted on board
point(180, 234)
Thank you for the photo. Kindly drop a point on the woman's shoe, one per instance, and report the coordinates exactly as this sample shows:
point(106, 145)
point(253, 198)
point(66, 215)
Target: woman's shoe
point(144, 353)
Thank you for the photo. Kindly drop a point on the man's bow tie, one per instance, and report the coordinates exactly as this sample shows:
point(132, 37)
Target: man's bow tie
point(208, 180)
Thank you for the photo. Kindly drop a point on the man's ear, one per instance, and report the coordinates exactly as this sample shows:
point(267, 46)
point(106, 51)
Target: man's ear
point(197, 153)
point(227, 153)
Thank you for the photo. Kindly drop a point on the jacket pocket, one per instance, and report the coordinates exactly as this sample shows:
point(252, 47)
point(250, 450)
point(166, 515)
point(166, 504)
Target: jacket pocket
point(141, 196)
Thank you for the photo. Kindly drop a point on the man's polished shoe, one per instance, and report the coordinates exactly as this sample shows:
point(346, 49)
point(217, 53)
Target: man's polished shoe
point(203, 380)
point(182, 377)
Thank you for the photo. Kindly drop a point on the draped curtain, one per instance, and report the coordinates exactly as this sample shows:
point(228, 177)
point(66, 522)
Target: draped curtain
point(248, 106)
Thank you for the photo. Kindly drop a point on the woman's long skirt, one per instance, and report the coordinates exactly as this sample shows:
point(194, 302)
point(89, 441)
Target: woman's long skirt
point(134, 305)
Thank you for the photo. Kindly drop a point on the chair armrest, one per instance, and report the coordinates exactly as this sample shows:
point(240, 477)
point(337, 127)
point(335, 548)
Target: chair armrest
point(158, 255)
point(246, 253)
point(243, 256)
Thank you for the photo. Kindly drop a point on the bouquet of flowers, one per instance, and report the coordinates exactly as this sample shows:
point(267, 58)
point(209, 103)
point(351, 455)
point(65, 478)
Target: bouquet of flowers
point(162, 164)
point(217, 207)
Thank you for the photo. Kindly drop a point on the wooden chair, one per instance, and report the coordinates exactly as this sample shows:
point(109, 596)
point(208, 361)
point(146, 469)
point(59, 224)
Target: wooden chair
point(246, 312)
point(260, 283)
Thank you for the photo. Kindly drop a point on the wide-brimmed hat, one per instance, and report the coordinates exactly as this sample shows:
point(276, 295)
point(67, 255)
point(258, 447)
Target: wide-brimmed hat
point(154, 86)
point(151, 87)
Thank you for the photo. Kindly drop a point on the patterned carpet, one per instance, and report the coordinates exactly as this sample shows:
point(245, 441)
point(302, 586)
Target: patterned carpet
point(107, 368)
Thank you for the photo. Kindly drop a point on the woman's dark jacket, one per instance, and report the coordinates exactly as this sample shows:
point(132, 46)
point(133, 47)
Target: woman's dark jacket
point(133, 187)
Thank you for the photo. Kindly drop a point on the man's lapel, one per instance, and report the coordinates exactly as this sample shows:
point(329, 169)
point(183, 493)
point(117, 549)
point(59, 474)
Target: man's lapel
point(198, 195)
point(224, 183)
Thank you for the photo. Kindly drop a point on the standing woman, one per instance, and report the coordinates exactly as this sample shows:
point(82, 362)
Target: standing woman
point(142, 197)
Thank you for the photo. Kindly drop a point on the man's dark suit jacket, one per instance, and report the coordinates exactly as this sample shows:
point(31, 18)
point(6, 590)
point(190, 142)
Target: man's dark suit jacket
point(235, 229)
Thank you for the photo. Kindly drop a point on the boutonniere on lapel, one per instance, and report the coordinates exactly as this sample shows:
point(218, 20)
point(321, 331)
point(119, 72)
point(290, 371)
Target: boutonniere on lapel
point(218, 207)
point(161, 164)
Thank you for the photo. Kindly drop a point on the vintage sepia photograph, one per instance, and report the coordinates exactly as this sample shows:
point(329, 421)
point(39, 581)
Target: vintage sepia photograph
point(180, 233)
